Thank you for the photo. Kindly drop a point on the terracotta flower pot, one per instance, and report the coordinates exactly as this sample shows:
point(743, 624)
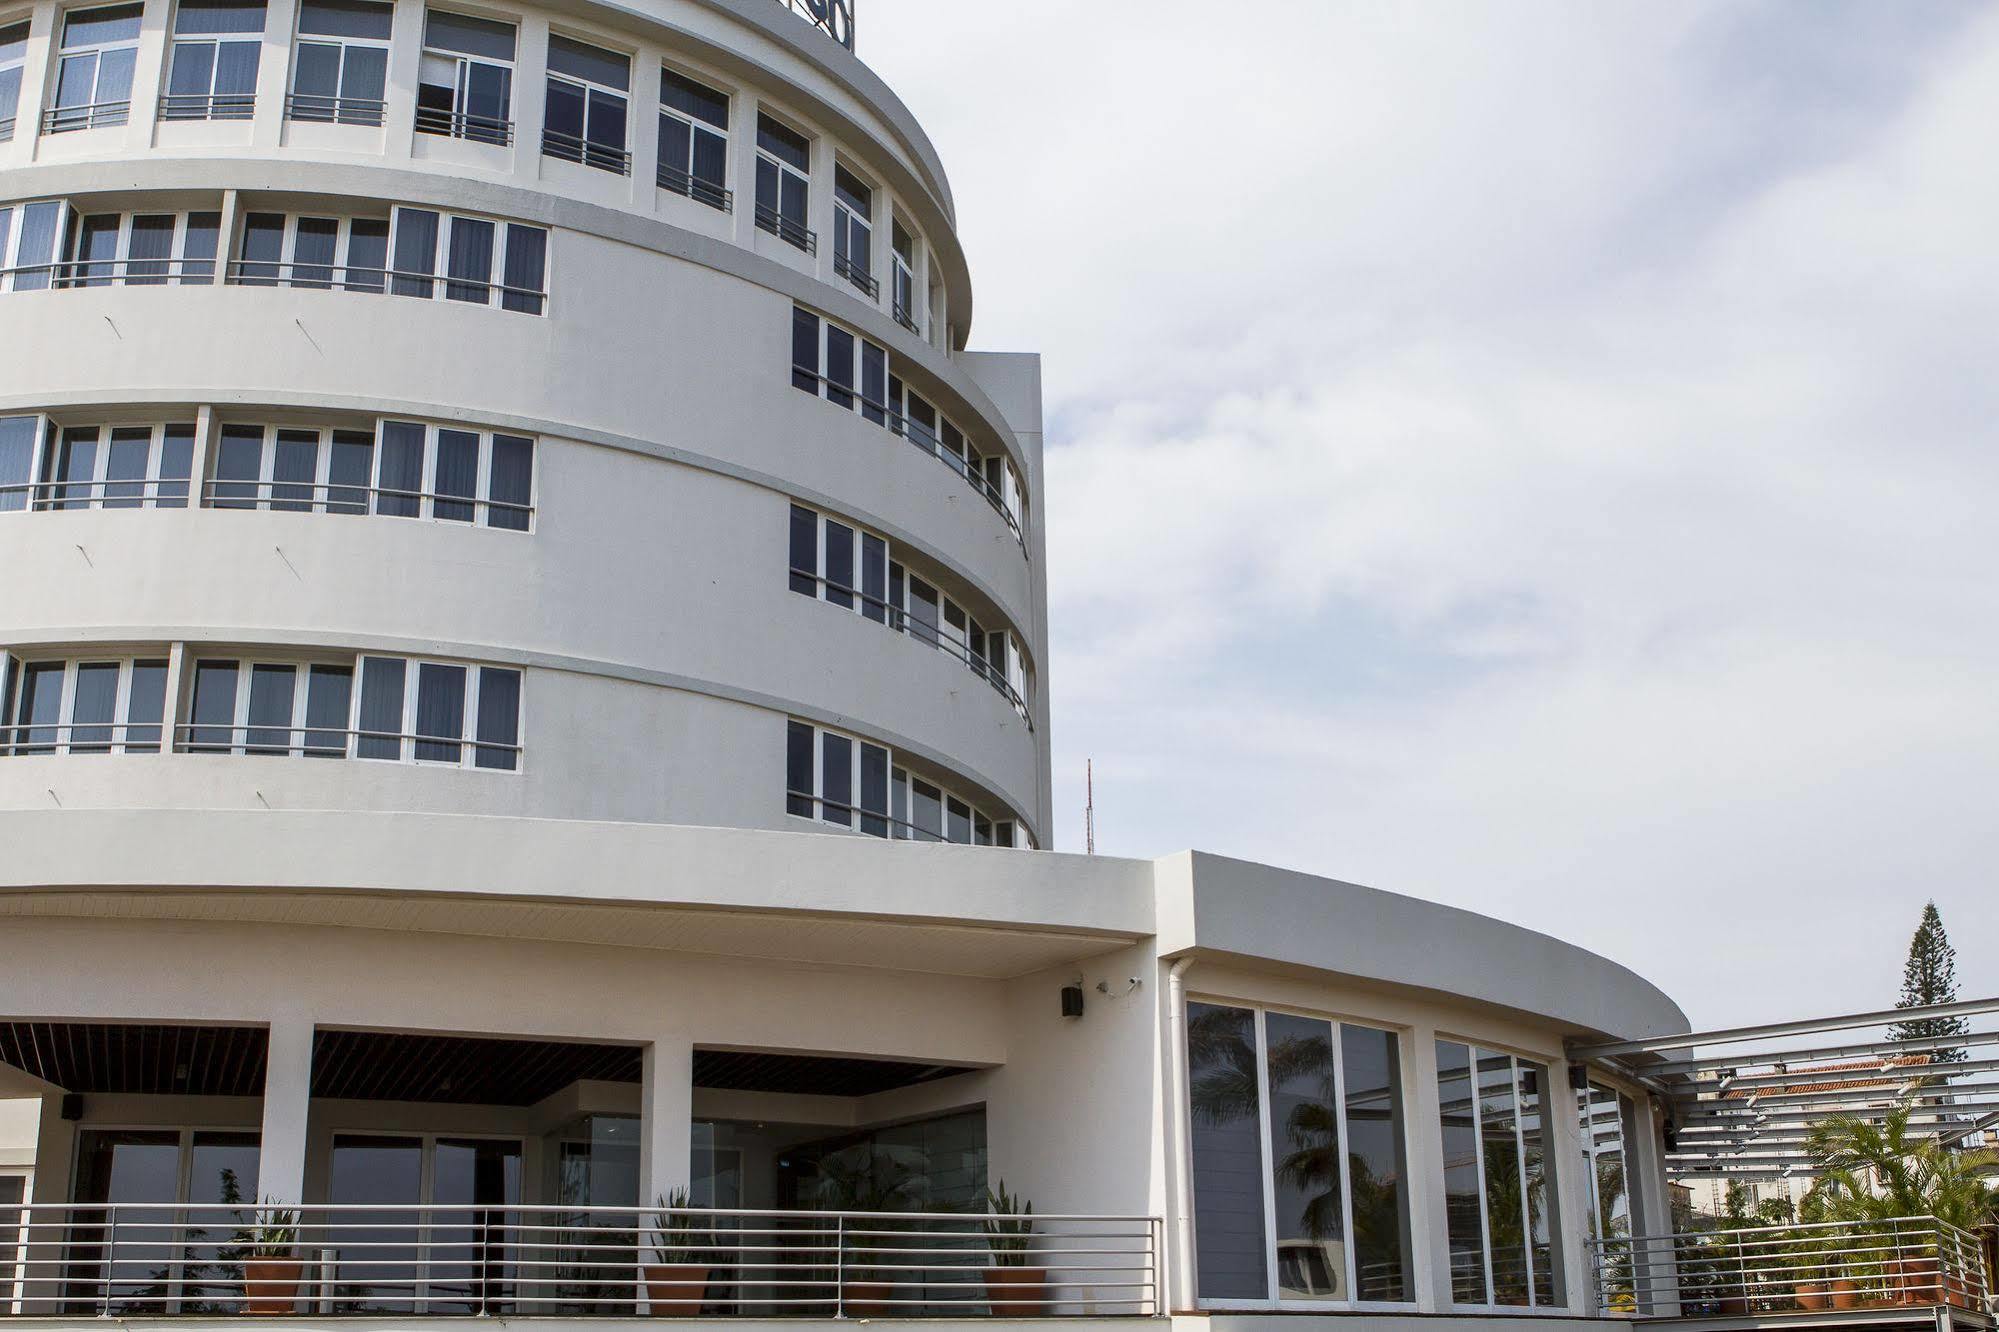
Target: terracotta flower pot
point(1814, 1295)
point(1845, 1293)
point(1734, 1306)
point(1915, 1281)
point(866, 1299)
point(1017, 1292)
point(676, 1290)
point(270, 1285)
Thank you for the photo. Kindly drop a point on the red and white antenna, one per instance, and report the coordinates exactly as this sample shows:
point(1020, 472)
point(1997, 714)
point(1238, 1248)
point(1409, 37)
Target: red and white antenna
point(1090, 806)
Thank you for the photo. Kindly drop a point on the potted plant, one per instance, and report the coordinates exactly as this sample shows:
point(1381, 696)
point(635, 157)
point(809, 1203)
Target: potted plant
point(272, 1269)
point(865, 1180)
point(1013, 1289)
point(677, 1279)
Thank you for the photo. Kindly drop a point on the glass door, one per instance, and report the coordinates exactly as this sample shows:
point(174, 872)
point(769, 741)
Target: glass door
point(123, 1265)
point(475, 1201)
point(381, 1275)
point(597, 1165)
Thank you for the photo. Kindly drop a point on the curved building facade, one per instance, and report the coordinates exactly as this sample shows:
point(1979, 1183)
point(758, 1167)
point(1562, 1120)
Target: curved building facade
point(525, 655)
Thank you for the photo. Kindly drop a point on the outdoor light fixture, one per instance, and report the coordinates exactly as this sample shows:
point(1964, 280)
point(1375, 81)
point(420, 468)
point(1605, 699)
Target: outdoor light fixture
point(1072, 1000)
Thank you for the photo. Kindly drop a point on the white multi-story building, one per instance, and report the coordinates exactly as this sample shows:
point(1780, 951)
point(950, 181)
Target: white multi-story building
point(525, 703)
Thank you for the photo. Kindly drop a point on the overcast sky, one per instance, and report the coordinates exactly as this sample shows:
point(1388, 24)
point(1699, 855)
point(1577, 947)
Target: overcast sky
point(1535, 457)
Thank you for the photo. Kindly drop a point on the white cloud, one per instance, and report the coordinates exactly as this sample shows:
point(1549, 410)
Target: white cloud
point(1537, 457)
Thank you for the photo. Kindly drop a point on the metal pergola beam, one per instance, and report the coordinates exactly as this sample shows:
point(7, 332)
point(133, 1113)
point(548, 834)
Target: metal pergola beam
point(1773, 1030)
point(1871, 1049)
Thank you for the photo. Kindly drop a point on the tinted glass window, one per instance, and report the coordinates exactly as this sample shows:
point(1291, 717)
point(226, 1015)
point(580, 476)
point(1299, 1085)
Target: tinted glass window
point(345, 18)
point(468, 35)
point(1226, 1142)
point(693, 99)
point(209, 17)
point(785, 144)
point(94, 27)
point(593, 64)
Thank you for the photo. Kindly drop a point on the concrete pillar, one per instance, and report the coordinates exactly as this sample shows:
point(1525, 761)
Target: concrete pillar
point(642, 134)
point(1429, 1227)
point(274, 59)
point(287, 1103)
point(405, 64)
point(666, 1134)
point(1562, 1125)
point(530, 97)
point(38, 73)
point(743, 166)
point(149, 74)
point(55, 1147)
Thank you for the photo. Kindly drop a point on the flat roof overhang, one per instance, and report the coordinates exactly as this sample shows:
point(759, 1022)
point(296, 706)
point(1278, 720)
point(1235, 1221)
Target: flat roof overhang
point(780, 896)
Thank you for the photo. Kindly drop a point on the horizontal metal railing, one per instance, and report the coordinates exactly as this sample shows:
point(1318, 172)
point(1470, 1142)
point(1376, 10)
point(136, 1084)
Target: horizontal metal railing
point(400, 281)
point(570, 148)
point(875, 822)
point(31, 738)
point(166, 1260)
point(208, 106)
point(86, 115)
point(6, 129)
point(460, 125)
point(89, 737)
point(150, 492)
point(857, 275)
point(891, 616)
point(919, 435)
point(187, 272)
point(782, 227)
point(1915, 1260)
point(344, 498)
point(907, 318)
point(323, 108)
point(672, 178)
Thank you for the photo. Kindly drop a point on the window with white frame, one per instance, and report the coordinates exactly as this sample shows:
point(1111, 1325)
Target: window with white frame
point(402, 469)
point(340, 63)
point(403, 710)
point(847, 566)
point(784, 183)
point(854, 373)
point(1301, 1189)
point(287, 250)
point(843, 780)
point(589, 92)
point(138, 249)
point(854, 231)
point(1499, 1179)
point(421, 253)
point(133, 466)
point(30, 235)
point(18, 435)
point(93, 84)
point(903, 292)
point(109, 704)
point(693, 140)
point(13, 55)
point(212, 71)
point(466, 87)
point(1606, 1119)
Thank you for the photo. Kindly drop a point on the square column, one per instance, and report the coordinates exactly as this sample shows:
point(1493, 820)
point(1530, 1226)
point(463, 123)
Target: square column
point(666, 1130)
point(287, 1102)
point(1429, 1224)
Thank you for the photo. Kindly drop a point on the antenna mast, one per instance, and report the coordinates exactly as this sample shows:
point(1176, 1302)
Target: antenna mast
point(1090, 806)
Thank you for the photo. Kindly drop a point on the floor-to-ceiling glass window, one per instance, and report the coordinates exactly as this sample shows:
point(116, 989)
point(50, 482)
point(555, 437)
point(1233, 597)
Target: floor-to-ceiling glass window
point(385, 1260)
point(376, 1265)
point(596, 1166)
point(161, 1207)
point(1300, 1186)
point(475, 1196)
point(1604, 1121)
point(1499, 1178)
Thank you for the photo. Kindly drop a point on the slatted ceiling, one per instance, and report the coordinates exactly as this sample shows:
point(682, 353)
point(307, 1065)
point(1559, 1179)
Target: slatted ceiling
point(459, 1070)
point(811, 1075)
point(141, 1058)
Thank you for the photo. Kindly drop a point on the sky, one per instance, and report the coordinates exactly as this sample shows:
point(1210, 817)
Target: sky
point(1535, 457)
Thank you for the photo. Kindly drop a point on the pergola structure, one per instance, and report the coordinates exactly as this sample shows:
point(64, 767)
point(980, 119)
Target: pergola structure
point(1742, 1100)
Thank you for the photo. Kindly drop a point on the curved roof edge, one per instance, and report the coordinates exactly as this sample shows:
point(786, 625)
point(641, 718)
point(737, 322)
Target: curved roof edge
point(1259, 913)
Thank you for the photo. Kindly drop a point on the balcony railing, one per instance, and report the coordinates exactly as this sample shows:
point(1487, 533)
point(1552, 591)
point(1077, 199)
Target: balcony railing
point(937, 636)
point(570, 148)
point(459, 125)
point(452, 1260)
point(324, 108)
point(192, 272)
point(1906, 1261)
point(835, 18)
point(208, 106)
point(701, 191)
point(786, 230)
point(88, 115)
point(883, 414)
point(859, 276)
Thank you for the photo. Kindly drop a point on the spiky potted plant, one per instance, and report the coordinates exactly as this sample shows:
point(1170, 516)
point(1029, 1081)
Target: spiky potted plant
point(677, 1279)
point(1013, 1289)
point(272, 1268)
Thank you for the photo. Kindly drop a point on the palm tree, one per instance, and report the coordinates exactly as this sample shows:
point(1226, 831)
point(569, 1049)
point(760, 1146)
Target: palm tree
point(1876, 1172)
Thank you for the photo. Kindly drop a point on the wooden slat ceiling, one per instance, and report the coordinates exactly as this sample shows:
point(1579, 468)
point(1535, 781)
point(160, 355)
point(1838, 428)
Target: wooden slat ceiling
point(111, 1057)
point(108, 1058)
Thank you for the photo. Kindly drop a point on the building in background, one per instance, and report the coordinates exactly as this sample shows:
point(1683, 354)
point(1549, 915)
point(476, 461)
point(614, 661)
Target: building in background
point(525, 712)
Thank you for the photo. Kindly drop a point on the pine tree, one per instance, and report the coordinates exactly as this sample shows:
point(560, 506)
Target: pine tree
point(1930, 977)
